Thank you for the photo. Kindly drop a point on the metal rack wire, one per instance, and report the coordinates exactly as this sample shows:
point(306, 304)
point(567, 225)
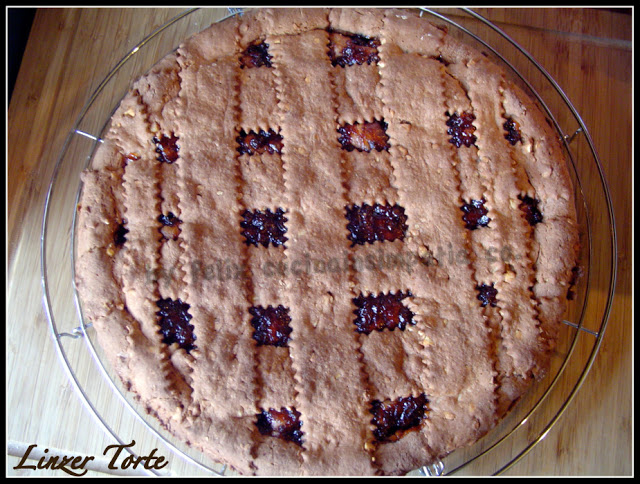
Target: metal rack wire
point(77, 337)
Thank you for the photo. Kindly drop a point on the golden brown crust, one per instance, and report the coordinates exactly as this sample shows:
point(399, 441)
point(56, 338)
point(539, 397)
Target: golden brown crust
point(472, 362)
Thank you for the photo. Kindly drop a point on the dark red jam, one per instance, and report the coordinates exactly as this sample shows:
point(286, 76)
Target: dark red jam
point(284, 424)
point(256, 55)
point(349, 49)
point(174, 324)
point(475, 214)
point(271, 325)
point(167, 148)
point(384, 311)
point(512, 129)
point(170, 229)
point(487, 294)
point(364, 136)
point(371, 223)
point(393, 418)
point(120, 235)
point(529, 207)
point(264, 227)
point(252, 143)
point(461, 129)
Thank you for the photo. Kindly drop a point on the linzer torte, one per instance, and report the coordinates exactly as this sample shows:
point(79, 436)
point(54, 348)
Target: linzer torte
point(327, 242)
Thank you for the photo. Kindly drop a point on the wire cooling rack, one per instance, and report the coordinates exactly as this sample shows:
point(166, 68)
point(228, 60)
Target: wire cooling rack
point(533, 417)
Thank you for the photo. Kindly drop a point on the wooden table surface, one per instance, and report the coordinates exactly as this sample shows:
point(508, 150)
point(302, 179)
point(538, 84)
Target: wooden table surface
point(70, 51)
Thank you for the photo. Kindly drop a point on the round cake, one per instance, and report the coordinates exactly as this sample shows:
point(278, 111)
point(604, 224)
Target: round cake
point(327, 242)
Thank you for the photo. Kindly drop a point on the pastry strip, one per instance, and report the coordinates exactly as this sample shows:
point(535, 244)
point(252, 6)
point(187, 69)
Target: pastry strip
point(262, 188)
point(223, 371)
point(322, 335)
point(415, 108)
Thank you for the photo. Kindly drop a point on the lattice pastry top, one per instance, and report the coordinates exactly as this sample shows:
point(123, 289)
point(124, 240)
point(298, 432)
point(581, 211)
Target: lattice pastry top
point(327, 241)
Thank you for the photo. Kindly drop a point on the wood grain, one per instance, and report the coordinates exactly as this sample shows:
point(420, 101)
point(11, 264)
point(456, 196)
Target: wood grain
point(70, 51)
